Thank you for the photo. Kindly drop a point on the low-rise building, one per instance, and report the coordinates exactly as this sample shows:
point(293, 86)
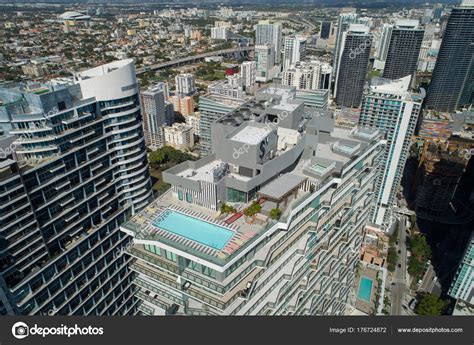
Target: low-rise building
point(179, 136)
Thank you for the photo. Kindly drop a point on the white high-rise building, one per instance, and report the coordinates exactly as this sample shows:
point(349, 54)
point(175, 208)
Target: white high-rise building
point(235, 80)
point(394, 111)
point(219, 33)
point(382, 45)
point(185, 84)
point(265, 61)
point(248, 71)
point(295, 50)
point(269, 33)
point(311, 75)
point(318, 175)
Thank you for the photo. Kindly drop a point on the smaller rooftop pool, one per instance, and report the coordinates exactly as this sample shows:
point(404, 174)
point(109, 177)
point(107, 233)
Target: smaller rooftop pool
point(365, 289)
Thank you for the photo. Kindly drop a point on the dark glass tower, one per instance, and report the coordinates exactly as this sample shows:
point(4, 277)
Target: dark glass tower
point(403, 50)
point(73, 168)
point(352, 66)
point(452, 84)
point(325, 31)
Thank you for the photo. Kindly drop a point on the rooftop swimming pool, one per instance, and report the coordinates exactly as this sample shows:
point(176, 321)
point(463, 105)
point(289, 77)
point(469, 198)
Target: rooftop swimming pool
point(319, 168)
point(365, 289)
point(206, 233)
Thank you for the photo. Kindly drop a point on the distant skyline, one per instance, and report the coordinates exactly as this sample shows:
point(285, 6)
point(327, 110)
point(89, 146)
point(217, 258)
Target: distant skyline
point(332, 3)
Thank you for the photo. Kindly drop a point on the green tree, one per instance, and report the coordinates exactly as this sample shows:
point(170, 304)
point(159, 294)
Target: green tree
point(275, 213)
point(430, 304)
point(415, 267)
point(392, 258)
point(227, 209)
point(157, 157)
point(169, 156)
point(253, 209)
point(420, 248)
point(413, 221)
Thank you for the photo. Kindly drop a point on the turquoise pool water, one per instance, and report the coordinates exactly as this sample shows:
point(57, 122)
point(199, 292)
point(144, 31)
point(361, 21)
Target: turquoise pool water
point(319, 168)
point(365, 288)
point(194, 229)
point(346, 148)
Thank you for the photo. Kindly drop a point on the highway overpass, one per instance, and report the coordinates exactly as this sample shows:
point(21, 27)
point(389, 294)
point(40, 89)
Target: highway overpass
point(194, 59)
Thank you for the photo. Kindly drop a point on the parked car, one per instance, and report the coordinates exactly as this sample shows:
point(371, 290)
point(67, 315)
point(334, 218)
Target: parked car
point(412, 303)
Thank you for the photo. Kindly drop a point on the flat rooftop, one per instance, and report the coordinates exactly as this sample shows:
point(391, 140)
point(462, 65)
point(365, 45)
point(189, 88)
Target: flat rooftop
point(251, 135)
point(204, 173)
point(103, 69)
point(281, 186)
point(286, 106)
point(332, 154)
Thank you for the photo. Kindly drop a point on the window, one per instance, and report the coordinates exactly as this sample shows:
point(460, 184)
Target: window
point(194, 266)
point(234, 195)
point(170, 256)
point(152, 249)
point(180, 195)
point(189, 197)
point(208, 272)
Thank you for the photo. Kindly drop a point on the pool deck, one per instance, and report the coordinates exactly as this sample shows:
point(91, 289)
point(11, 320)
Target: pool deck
point(143, 224)
point(360, 304)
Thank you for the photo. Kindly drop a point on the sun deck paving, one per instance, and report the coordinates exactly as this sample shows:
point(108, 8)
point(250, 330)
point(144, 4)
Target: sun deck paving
point(146, 221)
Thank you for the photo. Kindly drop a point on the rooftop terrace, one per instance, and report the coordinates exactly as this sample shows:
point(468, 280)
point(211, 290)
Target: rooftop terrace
point(251, 134)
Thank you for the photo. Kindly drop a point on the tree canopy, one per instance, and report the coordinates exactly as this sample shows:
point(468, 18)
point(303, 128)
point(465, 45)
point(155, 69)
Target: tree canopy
point(430, 304)
point(169, 155)
point(275, 213)
point(253, 209)
point(420, 254)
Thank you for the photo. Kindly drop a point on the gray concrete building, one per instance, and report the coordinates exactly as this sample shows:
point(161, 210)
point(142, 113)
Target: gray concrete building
point(295, 253)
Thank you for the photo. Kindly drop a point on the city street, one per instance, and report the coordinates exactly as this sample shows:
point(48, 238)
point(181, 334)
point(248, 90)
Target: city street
point(398, 290)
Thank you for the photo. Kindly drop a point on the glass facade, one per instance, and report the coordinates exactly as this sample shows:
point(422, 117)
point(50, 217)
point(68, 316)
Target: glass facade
point(84, 172)
point(234, 195)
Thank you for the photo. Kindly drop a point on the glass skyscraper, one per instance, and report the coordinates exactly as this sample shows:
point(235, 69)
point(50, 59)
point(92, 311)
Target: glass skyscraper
point(352, 66)
point(462, 287)
point(452, 84)
point(73, 168)
point(403, 50)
